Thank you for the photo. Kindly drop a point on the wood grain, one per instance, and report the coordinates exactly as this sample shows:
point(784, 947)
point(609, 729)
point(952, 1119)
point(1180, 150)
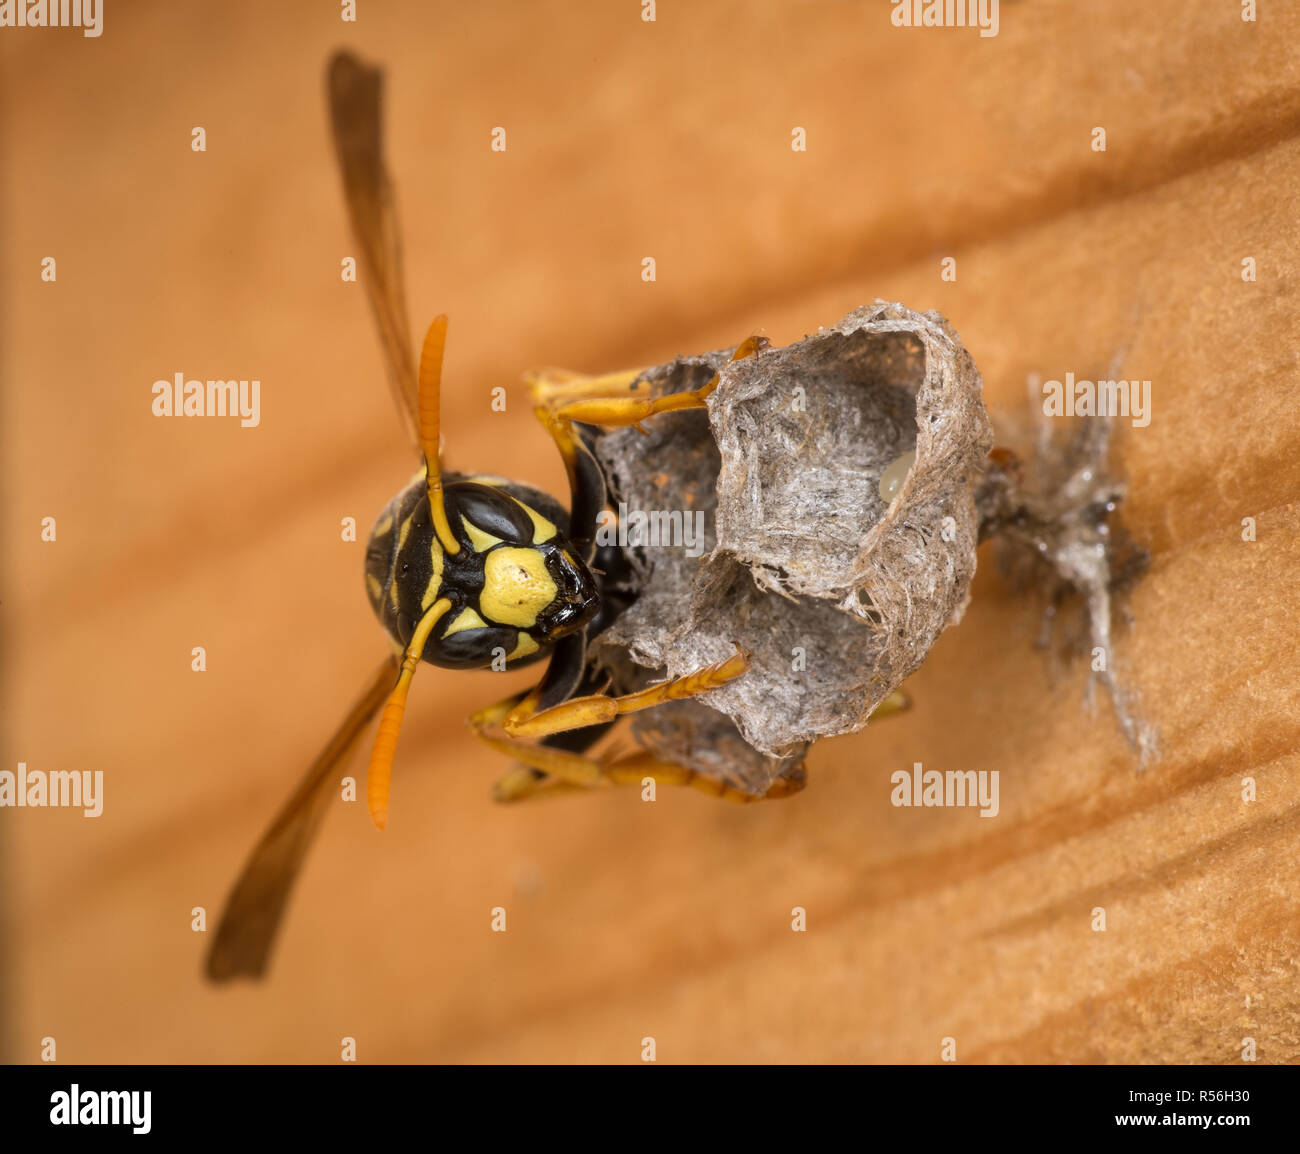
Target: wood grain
point(627, 140)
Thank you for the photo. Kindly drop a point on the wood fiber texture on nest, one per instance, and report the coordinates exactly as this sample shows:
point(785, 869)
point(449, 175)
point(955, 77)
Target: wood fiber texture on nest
point(836, 593)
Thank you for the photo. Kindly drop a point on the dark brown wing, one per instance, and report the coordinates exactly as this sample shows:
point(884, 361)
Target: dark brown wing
point(355, 92)
point(256, 904)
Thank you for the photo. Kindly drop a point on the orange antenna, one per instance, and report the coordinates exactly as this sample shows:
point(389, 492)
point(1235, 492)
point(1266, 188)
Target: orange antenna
point(390, 723)
point(435, 341)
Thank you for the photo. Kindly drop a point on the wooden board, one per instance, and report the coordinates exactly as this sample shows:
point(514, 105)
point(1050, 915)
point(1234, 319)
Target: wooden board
point(626, 140)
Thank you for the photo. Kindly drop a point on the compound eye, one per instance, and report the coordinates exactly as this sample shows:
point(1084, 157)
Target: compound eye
point(490, 512)
point(471, 648)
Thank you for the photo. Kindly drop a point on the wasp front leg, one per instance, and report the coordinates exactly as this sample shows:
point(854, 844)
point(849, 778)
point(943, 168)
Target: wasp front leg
point(550, 388)
point(562, 401)
point(608, 400)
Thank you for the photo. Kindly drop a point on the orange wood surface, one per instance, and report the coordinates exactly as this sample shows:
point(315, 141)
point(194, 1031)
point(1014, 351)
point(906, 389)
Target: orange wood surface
point(628, 139)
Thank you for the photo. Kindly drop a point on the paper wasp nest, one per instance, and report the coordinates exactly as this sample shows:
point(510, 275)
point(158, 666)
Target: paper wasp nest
point(836, 593)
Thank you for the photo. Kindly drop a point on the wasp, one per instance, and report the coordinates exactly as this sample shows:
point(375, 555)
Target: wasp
point(469, 572)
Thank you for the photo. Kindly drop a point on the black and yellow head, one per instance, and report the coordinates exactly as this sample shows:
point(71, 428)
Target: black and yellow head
point(517, 585)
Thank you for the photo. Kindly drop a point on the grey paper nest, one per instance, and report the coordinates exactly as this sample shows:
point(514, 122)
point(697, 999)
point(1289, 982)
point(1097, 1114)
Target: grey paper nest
point(836, 594)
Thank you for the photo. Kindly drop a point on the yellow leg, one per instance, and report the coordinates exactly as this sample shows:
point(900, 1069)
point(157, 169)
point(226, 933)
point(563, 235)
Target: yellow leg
point(565, 766)
point(546, 772)
point(553, 387)
point(599, 709)
point(635, 768)
point(562, 399)
point(505, 726)
point(593, 409)
point(523, 782)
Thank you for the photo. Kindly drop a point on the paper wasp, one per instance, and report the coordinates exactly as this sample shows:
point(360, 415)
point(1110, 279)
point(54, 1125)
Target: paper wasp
point(463, 568)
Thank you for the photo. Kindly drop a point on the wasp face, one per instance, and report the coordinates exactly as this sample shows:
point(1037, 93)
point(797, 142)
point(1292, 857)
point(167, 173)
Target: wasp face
point(516, 585)
point(542, 589)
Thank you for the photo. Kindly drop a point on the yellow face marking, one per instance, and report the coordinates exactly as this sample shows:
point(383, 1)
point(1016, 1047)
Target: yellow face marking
point(467, 619)
point(481, 541)
point(435, 582)
point(543, 530)
point(375, 589)
point(401, 540)
point(525, 646)
point(516, 587)
point(384, 526)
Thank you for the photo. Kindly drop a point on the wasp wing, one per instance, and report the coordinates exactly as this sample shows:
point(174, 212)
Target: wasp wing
point(355, 92)
point(256, 904)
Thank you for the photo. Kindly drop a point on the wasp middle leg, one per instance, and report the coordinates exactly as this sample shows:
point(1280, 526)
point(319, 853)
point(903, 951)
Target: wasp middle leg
point(521, 718)
point(596, 709)
point(523, 782)
point(507, 725)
